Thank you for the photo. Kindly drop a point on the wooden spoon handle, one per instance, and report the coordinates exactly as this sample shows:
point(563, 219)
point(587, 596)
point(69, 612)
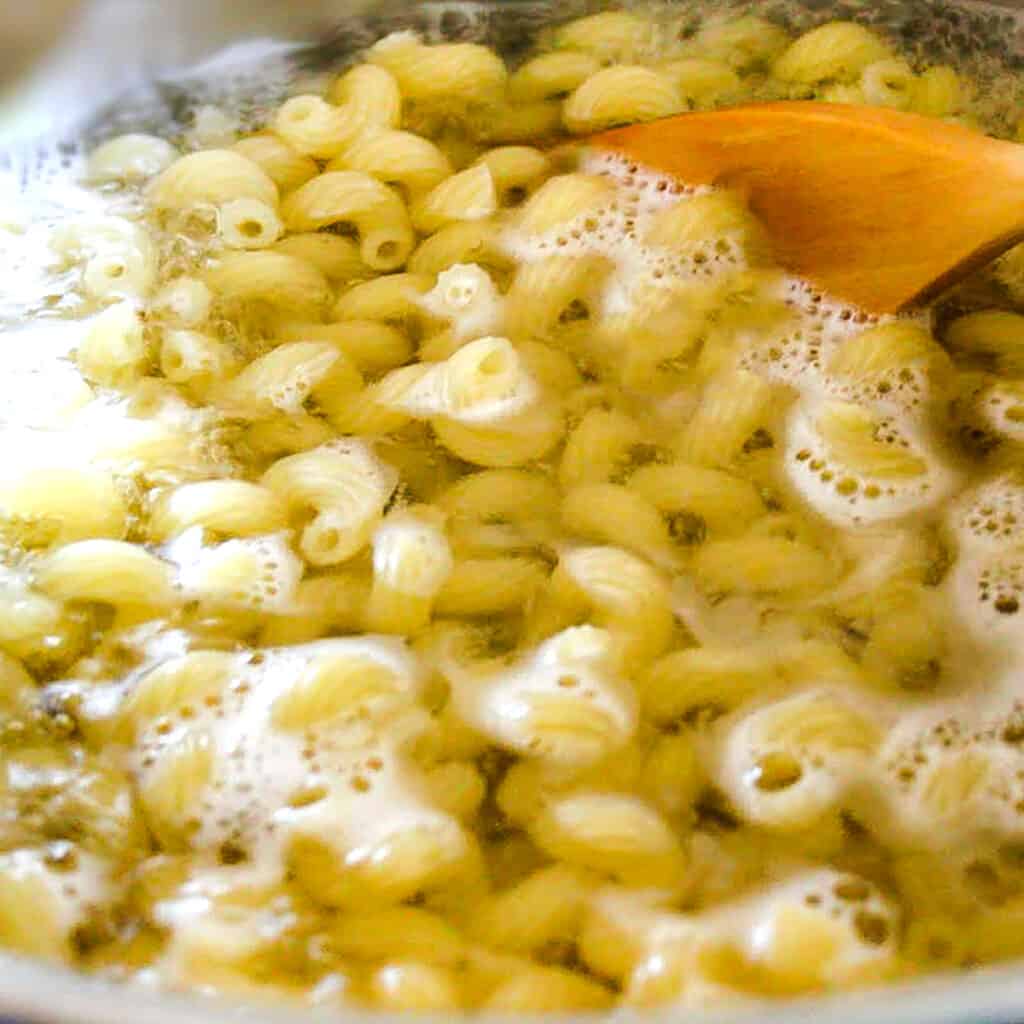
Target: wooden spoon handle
point(879, 207)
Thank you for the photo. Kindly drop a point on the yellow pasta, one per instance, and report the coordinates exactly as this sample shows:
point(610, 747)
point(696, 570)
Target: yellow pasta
point(337, 682)
point(109, 571)
point(938, 92)
point(337, 258)
point(611, 35)
point(733, 407)
point(545, 907)
point(993, 335)
point(183, 682)
point(411, 562)
point(698, 219)
point(131, 157)
point(470, 241)
point(599, 448)
point(889, 83)
point(747, 43)
point(839, 50)
point(397, 158)
point(280, 381)
point(613, 514)
point(185, 300)
point(448, 74)
point(698, 501)
point(285, 166)
point(212, 176)
point(701, 82)
point(62, 504)
point(552, 294)
point(468, 195)
point(516, 171)
point(274, 278)
point(705, 677)
point(551, 76)
point(409, 933)
point(415, 987)
point(543, 989)
point(562, 199)
point(316, 128)
point(762, 564)
point(513, 442)
point(248, 224)
point(345, 485)
point(370, 345)
point(230, 507)
point(391, 297)
point(524, 123)
point(195, 360)
point(621, 591)
point(621, 95)
point(490, 586)
point(169, 791)
point(351, 197)
point(37, 918)
point(612, 834)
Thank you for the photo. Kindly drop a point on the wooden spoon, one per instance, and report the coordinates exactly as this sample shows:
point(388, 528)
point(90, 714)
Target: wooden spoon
point(880, 208)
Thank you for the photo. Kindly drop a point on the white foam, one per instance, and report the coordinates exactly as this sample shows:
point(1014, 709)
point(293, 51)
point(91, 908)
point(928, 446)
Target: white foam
point(956, 774)
point(991, 515)
point(576, 668)
point(615, 229)
point(345, 778)
point(798, 354)
point(248, 574)
point(848, 496)
point(824, 770)
point(467, 297)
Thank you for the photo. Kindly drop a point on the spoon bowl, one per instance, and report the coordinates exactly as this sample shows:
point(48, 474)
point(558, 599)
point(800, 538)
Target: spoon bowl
point(877, 207)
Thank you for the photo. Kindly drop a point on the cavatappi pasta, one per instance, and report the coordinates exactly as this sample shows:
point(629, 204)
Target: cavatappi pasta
point(445, 572)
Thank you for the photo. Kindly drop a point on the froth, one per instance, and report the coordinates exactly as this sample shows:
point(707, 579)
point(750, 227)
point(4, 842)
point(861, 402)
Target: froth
point(957, 776)
point(848, 491)
point(615, 229)
point(257, 573)
point(298, 744)
point(991, 516)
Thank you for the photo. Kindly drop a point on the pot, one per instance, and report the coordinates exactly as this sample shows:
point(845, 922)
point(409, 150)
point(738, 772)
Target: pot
point(119, 66)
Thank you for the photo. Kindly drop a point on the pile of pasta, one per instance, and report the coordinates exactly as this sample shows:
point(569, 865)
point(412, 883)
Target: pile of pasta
point(451, 572)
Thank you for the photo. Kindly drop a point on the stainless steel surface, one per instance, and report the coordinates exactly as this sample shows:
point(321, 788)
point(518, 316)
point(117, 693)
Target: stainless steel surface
point(89, 52)
point(104, 48)
point(29, 31)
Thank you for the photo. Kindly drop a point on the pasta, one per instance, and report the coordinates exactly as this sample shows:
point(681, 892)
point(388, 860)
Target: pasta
point(840, 51)
point(620, 95)
point(612, 35)
point(398, 158)
point(345, 485)
point(411, 562)
point(212, 176)
point(351, 197)
point(468, 195)
point(130, 158)
point(82, 571)
point(274, 278)
point(248, 224)
point(449, 74)
point(447, 570)
point(285, 166)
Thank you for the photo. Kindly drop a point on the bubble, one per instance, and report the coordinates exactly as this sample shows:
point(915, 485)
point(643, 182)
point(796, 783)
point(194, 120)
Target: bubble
point(848, 494)
point(615, 231)
point(991, 515)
